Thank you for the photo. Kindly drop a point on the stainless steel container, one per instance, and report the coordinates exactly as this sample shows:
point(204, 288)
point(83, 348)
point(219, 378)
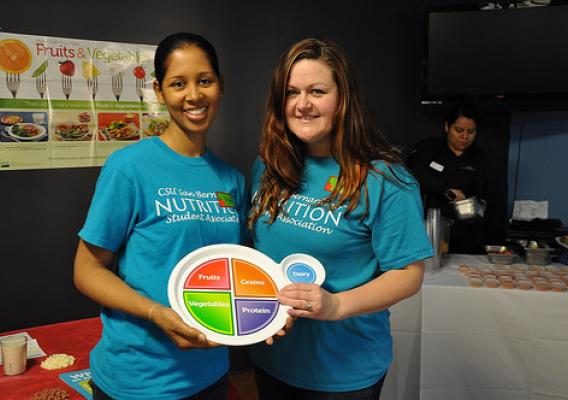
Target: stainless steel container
point(499, 258)
point(438, 230)
point(469, 208)
point(539, 256)
point(501, 255)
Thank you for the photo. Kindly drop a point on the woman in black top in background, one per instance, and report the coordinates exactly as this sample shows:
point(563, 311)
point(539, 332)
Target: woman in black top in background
point(451, 167)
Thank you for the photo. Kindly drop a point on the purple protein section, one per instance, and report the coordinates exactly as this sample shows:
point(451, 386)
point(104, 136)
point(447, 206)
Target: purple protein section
point(253, 315)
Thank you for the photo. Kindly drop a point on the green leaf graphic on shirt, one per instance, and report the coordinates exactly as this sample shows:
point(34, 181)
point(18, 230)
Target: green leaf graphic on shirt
point(225, 199)
point(331, 184)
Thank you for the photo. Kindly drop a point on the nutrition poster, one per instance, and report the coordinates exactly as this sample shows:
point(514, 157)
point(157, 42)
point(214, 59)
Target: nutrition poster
point(70, 103)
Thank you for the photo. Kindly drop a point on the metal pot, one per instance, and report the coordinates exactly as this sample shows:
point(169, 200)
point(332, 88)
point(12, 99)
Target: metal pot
point(469, 208)
point(540, 256)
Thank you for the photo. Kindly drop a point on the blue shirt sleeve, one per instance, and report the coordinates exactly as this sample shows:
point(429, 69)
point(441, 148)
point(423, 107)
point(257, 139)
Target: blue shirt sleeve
point(111, 215)
point(397, 225)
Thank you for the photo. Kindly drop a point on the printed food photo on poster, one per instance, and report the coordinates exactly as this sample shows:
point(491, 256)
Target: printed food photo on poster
point(23, 126)
point(119, 126)
point(72, 126)
point(154, 124)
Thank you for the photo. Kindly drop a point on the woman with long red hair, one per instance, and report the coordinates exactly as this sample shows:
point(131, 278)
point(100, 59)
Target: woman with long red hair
point(328, 184)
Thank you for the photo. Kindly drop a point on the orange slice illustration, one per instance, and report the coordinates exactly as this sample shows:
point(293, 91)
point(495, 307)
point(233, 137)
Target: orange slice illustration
point(15, 56)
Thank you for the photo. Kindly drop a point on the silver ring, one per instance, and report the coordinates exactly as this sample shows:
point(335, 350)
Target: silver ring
point(309, 306)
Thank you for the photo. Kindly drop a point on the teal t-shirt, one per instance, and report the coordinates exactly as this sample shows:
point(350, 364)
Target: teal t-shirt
point(356, 352)
point(152, 206)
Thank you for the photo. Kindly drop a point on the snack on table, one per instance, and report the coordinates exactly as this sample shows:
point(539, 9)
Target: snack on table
point(520, 268)
point(520, 276)
point(558, 286)
point(491, 282)
point(508, 284)
point(474, 276)
point(475, 282)
point(525, 284)
point(542, 286)
point(464, 269)
point(52, 394)
point(57, 361)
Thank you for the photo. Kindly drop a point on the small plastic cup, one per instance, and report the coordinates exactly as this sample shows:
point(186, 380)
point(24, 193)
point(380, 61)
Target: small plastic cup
point(14, 354)
point(506, 284)
point(474, 274)
point(491, 282)
point(475, 282)
point(524, 284)
point(520, 267)
point(531, 274)
point(558, 286)
point(542, 286)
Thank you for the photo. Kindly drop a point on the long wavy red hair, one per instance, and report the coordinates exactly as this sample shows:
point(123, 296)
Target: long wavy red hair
point(356, 142)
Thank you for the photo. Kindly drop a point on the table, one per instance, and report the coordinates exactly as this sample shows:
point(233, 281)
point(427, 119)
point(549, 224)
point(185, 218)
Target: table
point(76, 338)
point(403, 378)
point(456, 342)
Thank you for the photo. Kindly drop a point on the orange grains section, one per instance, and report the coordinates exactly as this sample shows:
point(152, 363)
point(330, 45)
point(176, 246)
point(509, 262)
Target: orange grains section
point(249, 280)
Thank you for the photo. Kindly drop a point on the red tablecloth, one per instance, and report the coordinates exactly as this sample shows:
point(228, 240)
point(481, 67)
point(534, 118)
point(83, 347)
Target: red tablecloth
point(75, 338)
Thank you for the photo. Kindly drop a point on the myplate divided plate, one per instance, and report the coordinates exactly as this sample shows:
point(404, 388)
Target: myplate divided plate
point(228, 291)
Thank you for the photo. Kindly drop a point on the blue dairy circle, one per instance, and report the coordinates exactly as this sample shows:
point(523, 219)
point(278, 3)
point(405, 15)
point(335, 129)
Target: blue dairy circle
point(301, 273)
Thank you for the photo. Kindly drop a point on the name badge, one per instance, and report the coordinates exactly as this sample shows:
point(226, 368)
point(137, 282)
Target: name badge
point(436, 166)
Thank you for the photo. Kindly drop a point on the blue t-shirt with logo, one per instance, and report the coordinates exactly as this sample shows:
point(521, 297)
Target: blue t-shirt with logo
point(152, 206)
point(354, 353)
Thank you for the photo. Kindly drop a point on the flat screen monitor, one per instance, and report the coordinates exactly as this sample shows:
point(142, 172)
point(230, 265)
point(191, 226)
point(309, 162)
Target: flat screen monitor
point(505, 52)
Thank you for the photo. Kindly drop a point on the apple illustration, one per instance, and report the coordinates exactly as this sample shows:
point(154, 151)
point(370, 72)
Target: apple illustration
point(67, 68)
point(139, 72)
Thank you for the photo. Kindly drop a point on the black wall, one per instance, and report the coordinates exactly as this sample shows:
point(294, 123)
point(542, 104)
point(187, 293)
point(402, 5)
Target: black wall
point(42, 210)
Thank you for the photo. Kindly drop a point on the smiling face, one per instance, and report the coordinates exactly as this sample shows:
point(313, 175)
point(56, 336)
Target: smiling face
point(311, 105)
point(190, 90)
point(461, 134)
